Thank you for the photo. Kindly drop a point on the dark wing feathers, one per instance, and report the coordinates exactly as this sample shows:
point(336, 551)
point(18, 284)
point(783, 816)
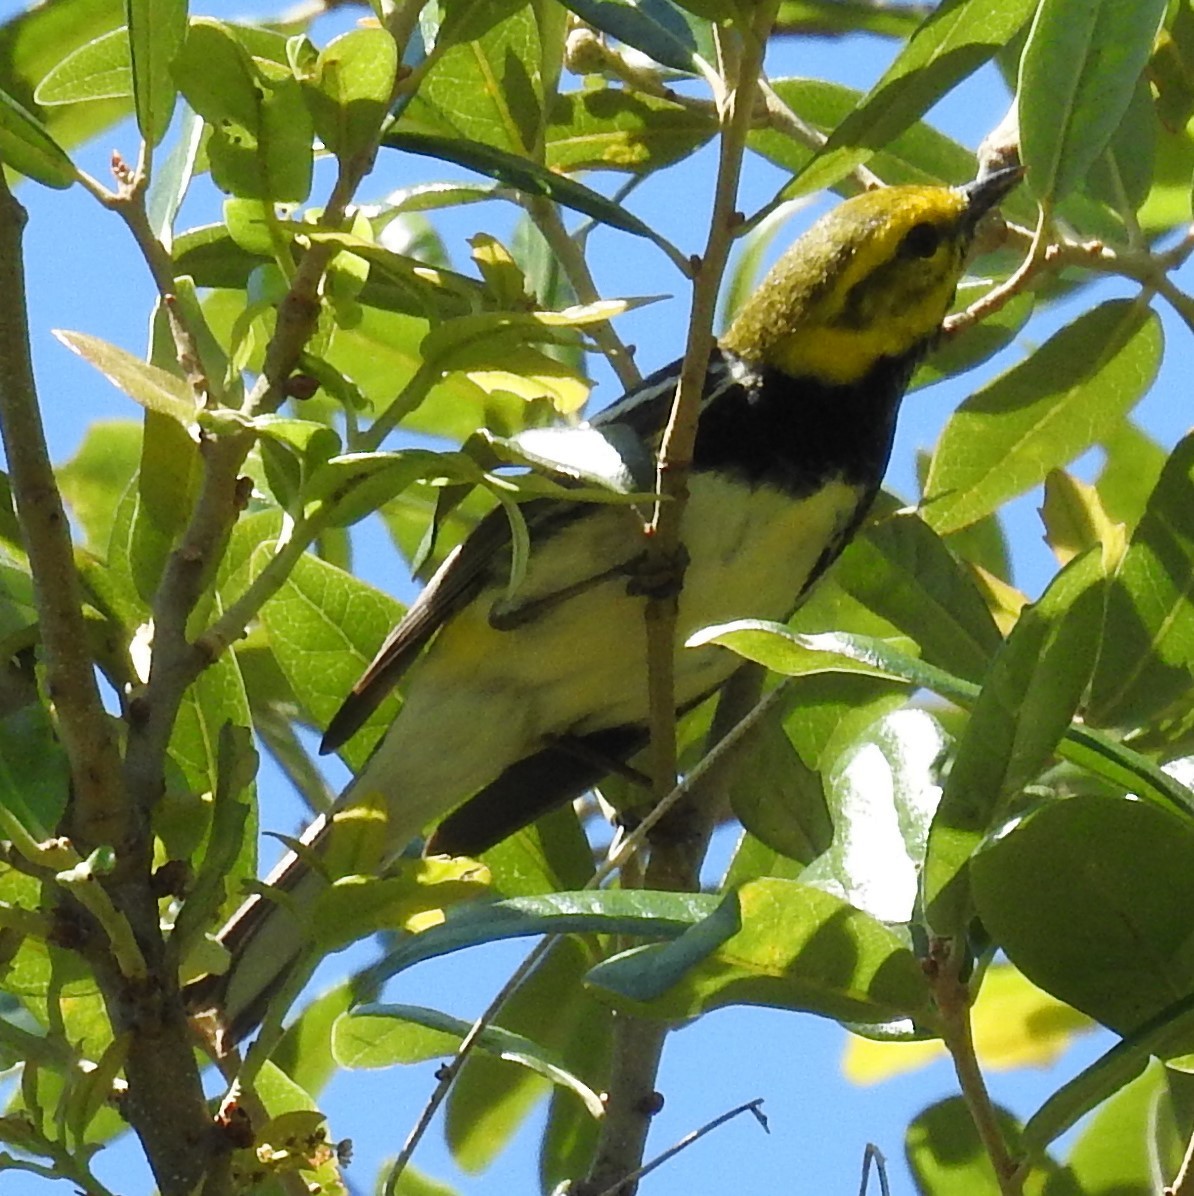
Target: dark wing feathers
point(454, 584)
point(530, 787)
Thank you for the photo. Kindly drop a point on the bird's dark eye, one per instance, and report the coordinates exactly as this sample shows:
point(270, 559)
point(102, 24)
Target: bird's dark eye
point(921, 240)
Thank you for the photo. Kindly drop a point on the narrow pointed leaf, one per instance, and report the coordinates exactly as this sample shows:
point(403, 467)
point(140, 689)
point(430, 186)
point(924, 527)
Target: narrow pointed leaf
point(383, 1035)
point(655, 29)
point(1042, 413)
point(956, 40)
point(153, 388)
point(157, 29)
point(1147, 663)
point(350, 91)
point(99, 70)
point(797, 947)
point(26, 146)
point(1092, 926)
point(525, 176)
point(1027, 701)
point(1077, 75)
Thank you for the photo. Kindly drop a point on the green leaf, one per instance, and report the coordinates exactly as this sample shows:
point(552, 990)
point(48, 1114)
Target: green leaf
point(260, 143)
point(979, 342)
point(95, 478)
point(1122, 175)
point(26, 146)
point(153, 388)
point(1130, 471)
point(779, 648)
point(1146, 659)
point(323, 614)
point(919, 154)
point(491, 1099)
point(1093, 926)
point(172, 177)
point(653, 27)
point(216, 75)
point(903, 571)
point(487, 81)
point(1118, 1151)
point(525, 176)
point(1109, 1073)
point(608, 128)
point(882, 791)
point(157, 29)
point(34, 41)
point(361, 903)
point(846, 16)
point(951, 44)
point(34, 774)
point(1077, 75)
point(101, 69)
point(946, 1155)
point(639, 912)
point(350, 90)
point(383, 1035)
point(797, 948)
point(465, 20)
point(305, 1050)
point(1043, 413)
point(776, 796)
point(1027, 701)
point(217, 698)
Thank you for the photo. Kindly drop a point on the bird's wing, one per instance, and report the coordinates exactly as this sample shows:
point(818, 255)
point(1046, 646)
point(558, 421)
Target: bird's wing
point(468, 567)
point(471, 565)
point(531, 786)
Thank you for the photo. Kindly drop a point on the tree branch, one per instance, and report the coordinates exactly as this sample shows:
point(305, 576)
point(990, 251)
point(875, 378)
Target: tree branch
point(98, 812)
point(678, 846)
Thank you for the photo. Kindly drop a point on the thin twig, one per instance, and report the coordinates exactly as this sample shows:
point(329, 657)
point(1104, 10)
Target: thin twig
point(873, 1154)
point(446, 1076)
point(752, 1106)
point(675, 456)
point(952, 997)
point(546, 216)
point(783, 120)
point(1036, 258)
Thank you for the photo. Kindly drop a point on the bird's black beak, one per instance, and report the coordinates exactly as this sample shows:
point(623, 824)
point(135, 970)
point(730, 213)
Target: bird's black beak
point(987, 190)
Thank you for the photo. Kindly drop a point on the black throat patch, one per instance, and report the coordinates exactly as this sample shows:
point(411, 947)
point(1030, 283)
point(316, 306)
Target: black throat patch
point(798, 433)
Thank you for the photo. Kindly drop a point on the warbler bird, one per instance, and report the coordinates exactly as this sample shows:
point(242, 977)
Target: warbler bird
point(517, 700)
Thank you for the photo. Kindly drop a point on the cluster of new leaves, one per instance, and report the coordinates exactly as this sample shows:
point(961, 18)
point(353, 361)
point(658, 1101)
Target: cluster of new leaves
point(944, 761)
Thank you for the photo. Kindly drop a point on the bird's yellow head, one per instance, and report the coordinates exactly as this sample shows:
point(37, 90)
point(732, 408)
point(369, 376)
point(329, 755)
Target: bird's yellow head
point(873, 278)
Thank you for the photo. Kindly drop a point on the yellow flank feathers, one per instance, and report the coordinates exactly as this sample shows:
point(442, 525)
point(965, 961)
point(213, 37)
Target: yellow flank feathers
point(871, 279)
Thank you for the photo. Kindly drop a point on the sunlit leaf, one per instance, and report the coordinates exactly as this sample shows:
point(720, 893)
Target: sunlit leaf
point(1042, 413)
point(27, 146)
point(157, 29)
point(1077, 76)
